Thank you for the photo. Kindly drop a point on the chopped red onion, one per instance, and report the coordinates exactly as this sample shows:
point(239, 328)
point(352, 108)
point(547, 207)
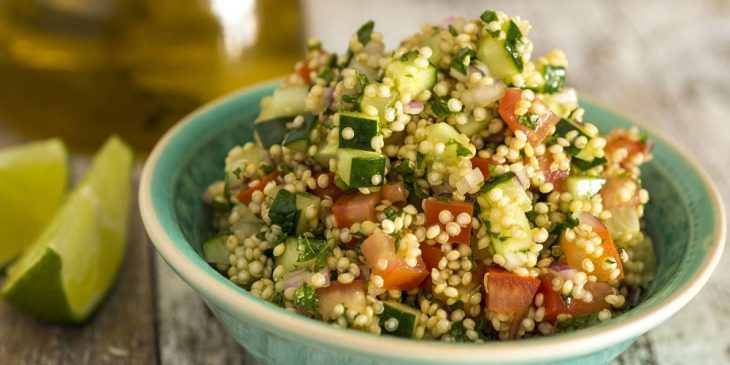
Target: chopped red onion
point(296, 278)
point(633, 295)
point(523, 179)
point(447, 21)
point(414, 108)
point(562, 271)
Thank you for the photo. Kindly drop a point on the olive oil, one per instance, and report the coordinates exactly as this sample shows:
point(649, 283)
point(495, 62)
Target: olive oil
point(85, 69)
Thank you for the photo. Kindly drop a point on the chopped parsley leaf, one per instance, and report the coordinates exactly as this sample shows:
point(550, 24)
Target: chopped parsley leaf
point(460, 149)
point(440, 106)
point(306, 299)
point(529, 120)
point(462, 59)
point(365, 32)
point(314, 249)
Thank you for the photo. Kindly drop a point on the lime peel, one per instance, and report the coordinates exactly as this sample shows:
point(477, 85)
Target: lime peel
point(65, 274)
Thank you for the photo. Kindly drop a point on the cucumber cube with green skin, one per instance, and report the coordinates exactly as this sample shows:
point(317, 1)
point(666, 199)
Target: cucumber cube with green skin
point(303, 202)
point(357, 168)
point(380, 103)
point(410, 78)
point(215, 251)
point(271, 131)
point(455, 143)
point(364, 128)
point(501, 55)
point(517, 204)
point(584, 186)
point(326, 152)
point(298, 138)
point(554, 77)
point(406, 317)
point(290, 258)
point(434, 42)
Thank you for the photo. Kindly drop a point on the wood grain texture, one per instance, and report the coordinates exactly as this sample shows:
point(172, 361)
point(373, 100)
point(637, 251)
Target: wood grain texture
point(189, 333)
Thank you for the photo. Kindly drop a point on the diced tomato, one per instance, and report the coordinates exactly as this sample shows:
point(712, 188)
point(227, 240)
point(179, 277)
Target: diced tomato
point(554, 303)
point(509, 293)
point(483, 165)
point(611, 192)
point(619, 139)
point(245, 195)
point(351, 295)
point(355, 208)
point(331, 190)
point(395, 192)
point(544, 123)
point(431, 255)
point(397, 275)
point(575, 255)
point(557, 177)
point(432, 209)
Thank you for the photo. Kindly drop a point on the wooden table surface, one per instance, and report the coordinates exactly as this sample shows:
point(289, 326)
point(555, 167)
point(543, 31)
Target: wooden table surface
point(667, 63)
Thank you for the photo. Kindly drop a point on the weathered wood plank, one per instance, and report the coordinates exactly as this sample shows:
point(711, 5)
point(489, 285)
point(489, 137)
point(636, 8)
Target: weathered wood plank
point(122, 332)
point(188, 331)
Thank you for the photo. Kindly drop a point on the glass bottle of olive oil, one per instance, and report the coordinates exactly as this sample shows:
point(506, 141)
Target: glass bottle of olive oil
point(84, 69)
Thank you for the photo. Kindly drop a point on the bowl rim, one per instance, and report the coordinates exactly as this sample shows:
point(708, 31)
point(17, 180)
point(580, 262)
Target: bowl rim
point(539, 349)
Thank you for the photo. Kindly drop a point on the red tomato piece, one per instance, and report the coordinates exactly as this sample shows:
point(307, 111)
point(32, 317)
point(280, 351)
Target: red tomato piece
point(619, 139)
point(557, 177)
point(397, 275)
point(331, 191)
point(543, 126)
point(509, 293)
point(245, 195)
point(575, 255)
point(351, 295)
point(554, 304)
point(431, 255)
point(394, 192)
point(483, 165)
point(355, 208)
point(611, 193)
point(432, 209)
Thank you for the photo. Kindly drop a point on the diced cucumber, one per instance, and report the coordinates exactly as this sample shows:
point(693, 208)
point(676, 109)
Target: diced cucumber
point(554, 77)
point(405, 316)
point(215, 251)
point(287, 101)
point(517, 204)
point(410, 78)
point(298, 138)
point(359, 168)
point(290, 258)
point(237, 160)
point(380, 103)
point(326, 152)
point(501, 56)
point(583, 186)
point(455, 143)
point(583, 159)
point(623, 224)
point(434, 42)
point(363, 128)
point(271, 131)
point(473, 127)
point(303, 202)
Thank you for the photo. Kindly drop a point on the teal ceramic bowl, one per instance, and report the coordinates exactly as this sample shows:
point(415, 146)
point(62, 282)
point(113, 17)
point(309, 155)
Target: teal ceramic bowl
point(685, 218)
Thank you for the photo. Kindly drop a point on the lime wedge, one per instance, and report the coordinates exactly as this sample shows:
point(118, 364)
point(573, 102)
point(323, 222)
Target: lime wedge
point(64, 275)
point(33, 177)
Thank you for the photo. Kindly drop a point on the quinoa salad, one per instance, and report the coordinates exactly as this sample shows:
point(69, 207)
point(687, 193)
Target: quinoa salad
point(448, 190)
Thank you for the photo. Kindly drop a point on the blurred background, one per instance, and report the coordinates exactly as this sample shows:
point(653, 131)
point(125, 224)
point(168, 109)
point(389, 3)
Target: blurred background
point(83, 69)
